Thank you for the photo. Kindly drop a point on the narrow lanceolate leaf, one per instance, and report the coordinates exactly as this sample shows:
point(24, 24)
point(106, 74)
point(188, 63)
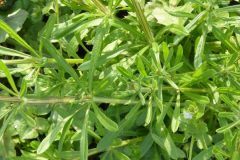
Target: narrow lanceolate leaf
point(165, 51)
point(48, 28)
point(104, 120)
point(198, 98)
point(149, 112)
point(165, 142)
point(178, 30)
point(11, 52)
point(228, 101)
point(192, 25)
point(107, 140)
point(234, 8)
point(64, 134)
point(7, 121)
point(97, 48)
point(176, 115)
point(227, 43)
point(23, 88)
point(140, 66)
point(126, 73)
point(199, 49)
point(4, 68)
point(84, 138)
point(52, 135)
point(204, 155)
point(3, 87)
point(179, 54)
point(16, 37)
point(60, 60)
point(146, 144)
point(120, 155)
point(227, 127)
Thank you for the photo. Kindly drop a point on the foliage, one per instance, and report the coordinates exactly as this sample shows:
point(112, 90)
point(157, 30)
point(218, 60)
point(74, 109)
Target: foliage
point(120, 79)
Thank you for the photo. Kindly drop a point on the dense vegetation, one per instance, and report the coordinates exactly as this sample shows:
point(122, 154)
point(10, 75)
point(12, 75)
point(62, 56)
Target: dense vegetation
point(120, 79)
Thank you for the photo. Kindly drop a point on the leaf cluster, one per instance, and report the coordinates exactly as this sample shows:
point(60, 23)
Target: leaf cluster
point(120, 79)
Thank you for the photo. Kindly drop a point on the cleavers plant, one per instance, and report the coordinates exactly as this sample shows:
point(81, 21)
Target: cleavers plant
point(120, 79)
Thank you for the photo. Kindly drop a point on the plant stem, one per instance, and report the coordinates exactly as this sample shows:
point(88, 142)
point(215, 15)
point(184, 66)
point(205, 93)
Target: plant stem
point(143, 21)
point(100, 6)
point(38, 61)
point(65, 100)
point(191, 148)
point(72, 99)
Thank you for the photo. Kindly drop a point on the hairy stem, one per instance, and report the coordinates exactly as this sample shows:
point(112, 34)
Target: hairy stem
point(100, 6)
point(39, 61)
point(143, 21)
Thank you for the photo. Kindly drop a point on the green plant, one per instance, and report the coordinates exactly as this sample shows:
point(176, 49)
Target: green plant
point(121, 79)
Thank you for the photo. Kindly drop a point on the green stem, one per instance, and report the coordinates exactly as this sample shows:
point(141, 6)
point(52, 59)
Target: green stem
point(191, 148)
point(64, 100)
point(67, 100)
point(143, 21)
point(57, 10)
point(100, 6)
point(38, 61)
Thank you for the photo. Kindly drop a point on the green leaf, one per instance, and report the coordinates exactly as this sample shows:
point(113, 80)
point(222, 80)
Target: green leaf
point(179, 54)
point(166, 143)
point(149, 112)
point(235, 155)
point(204, 155)
point(165, 51)
point(8, 90)
point(234, 8)
point(104, 120)
point(228, 90)
point(11, 52)
point(228, 101)
point(60, 60)
point(23, 88)
point(146, 144)
point(48, 28)
point(4, 68)
point(7, 121)
point(4, 110)
point(15, 20)
point(75, 24)
point(120, 156)
point(140, 66)
point(198, 98)
point(200, 43)
point(15, 36)
point(96, 52)
point(126, 73)
point(226, 42)
point(180, 14)
point(175, 68)
point(118, 23)
point(176, 115)
point(178, 30)
point(64, 134)
point(52, 135)
point(227, 127)
point(192, 25)
point(84, 137)
point(107, 140)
